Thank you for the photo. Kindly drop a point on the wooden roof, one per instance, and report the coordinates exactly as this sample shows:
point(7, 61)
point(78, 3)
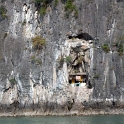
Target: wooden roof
point(80, 74)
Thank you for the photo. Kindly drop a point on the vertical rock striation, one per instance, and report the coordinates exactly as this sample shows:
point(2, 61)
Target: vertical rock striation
point(40, 78)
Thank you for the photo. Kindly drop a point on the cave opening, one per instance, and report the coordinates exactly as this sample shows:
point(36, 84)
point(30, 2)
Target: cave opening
point(79, 67)
point(84, 36)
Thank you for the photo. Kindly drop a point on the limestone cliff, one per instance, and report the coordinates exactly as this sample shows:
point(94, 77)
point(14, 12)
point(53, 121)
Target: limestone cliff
point(88, 38)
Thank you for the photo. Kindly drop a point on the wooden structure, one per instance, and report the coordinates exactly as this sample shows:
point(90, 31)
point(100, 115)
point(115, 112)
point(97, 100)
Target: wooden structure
point(77, 78)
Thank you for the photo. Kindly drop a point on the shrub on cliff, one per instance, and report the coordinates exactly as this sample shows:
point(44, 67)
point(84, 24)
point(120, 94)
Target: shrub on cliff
point(42, 5)
point(13, 82)
point(43, 1)
point(60, 62)
point(120, 49)
point(56, 3)
point(3, 12)
point(70, 7)
point(42, 10)
point(96, 76)
point(106, 48)
point(120, 45)
point(38, 42)
point(68, 59)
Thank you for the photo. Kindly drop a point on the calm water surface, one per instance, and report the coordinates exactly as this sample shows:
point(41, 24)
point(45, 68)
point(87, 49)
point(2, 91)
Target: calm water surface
point(110, 119)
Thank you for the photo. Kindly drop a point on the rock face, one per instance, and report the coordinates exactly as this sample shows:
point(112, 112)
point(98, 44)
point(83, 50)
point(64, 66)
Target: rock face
point(31, 78)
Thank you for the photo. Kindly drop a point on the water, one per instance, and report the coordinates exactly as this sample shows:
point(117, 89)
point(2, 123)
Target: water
point(110, 119)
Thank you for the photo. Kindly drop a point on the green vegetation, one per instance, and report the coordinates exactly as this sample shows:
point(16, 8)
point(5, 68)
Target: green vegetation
point(80, 59)
point(68, 59)
point(70, 7)
point(116, 44)
point(13, 81)
point(76, 71)
point(36, 61)
point(61, 62)
point(120, 45)
point(96, 76)
point(106, 48)
point(24, 22)
point(42, 10)
point(76, 13)
point(33, 57)
point(120, 49)
point(46, 2)
point(42, 5)
point(37, 1)
point(55, 3)
point(38, 42)
point(3, 12)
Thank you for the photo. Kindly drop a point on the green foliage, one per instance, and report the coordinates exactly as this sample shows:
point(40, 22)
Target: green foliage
point(55, 3)
point(120, 49)
point(46, 2)
point(42, 10)
point(70, 7)
point(67, 15)
point(76, 71)
point(38, 42)
point(37, 1)
point(96, 76)
point(38, 61)
point(33, 57)
point(76, 13)
point(116, 44)
point(106, 48)
point(35, 61)
point(68, 59)
point(80, 59)
point(42, 5)
point(3, 12)
point(13, 81)
point(24, 22)
point(61, 62)
point(120, 45)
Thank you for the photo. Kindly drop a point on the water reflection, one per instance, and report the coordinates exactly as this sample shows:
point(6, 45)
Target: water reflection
point(110, 119)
